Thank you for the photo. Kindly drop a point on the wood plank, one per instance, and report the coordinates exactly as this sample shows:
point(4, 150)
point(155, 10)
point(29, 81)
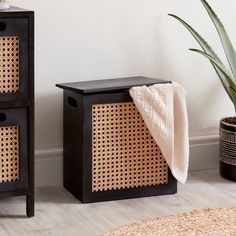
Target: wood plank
point(59, 213)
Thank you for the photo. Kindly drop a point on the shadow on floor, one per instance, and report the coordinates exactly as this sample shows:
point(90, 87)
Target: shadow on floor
point(55, 195)
point(210, 176)
point(13, 216)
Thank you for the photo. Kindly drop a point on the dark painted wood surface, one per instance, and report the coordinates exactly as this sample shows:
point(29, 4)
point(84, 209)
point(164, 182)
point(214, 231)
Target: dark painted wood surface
point(20, 22)
point(109, 85)
point(31, 124)
point(18, 27)
point(77, 138)
point(17, 116)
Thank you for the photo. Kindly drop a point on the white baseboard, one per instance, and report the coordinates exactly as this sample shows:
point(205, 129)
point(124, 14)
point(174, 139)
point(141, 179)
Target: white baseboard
point(49, 164)
point(48, 167)
point(204, 152)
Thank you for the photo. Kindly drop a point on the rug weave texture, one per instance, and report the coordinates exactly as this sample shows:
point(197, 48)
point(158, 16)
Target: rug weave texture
point(214, 222)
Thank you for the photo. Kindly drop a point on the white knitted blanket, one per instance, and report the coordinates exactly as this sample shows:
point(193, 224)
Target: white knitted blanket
point(163, 108)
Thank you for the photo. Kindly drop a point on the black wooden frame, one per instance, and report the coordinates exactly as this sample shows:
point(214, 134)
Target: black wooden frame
point(18, 27)
point(23, 21)
point(78, 150)
point(18, 117)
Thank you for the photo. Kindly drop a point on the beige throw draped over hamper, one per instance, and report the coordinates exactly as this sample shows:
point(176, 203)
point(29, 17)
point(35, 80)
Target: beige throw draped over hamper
point(163, 109)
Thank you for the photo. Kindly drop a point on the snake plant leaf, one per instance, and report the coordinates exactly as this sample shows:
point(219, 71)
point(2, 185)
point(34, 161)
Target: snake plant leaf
point(233, 94)
point(203, 43)
point(227, 79)
point(207, 49)
point(226, 43)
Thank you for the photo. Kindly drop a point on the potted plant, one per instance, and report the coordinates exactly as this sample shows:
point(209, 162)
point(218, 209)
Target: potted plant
point(227, 77)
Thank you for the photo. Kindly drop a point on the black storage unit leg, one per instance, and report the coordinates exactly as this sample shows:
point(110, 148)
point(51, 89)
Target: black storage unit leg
point(17, 105)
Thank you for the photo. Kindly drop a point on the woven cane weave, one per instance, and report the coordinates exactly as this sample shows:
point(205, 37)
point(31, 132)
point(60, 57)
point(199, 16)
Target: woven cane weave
point(9, 156)
point(205, 222)
point(9, 64)
point(124, 154)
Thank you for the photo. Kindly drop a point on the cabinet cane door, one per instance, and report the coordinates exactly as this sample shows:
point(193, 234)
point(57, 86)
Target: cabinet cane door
point(13, 59)
point(13, 149)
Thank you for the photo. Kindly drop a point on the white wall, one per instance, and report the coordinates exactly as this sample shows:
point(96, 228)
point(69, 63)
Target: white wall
point(97, 39)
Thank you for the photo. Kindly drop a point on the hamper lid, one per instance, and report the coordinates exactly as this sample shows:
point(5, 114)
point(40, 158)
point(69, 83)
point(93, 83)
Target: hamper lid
point(109, 85)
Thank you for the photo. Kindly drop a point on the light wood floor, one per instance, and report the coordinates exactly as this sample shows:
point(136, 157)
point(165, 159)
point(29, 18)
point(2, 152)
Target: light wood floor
point(59, 213)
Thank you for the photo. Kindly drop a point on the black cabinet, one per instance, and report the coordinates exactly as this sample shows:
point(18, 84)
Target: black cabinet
point(17, 105)
point(108, 151)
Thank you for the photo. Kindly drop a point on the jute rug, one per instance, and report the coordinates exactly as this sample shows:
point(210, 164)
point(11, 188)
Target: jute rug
point(214, 222)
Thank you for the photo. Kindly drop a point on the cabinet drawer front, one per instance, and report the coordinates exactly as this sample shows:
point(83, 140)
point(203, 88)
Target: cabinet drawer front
point(13, 59)
point(13, 149)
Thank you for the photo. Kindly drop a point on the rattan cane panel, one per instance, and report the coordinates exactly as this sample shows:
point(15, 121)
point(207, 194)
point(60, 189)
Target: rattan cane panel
point(9, 157)
point(124, 152)
point(9, 64)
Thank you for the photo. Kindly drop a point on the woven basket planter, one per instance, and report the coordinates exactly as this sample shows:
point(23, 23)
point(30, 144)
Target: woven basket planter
point(227, 150)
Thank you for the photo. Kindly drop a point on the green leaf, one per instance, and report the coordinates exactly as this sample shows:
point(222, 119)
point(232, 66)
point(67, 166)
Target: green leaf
point(227, 80)
point(205, 46)
point(226, 43)
point(233, 93)
point(207, 49)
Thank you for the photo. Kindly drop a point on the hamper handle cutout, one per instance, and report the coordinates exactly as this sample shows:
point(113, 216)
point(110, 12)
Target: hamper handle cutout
point(3, 26)
point(72, 102)
point(3, 117)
